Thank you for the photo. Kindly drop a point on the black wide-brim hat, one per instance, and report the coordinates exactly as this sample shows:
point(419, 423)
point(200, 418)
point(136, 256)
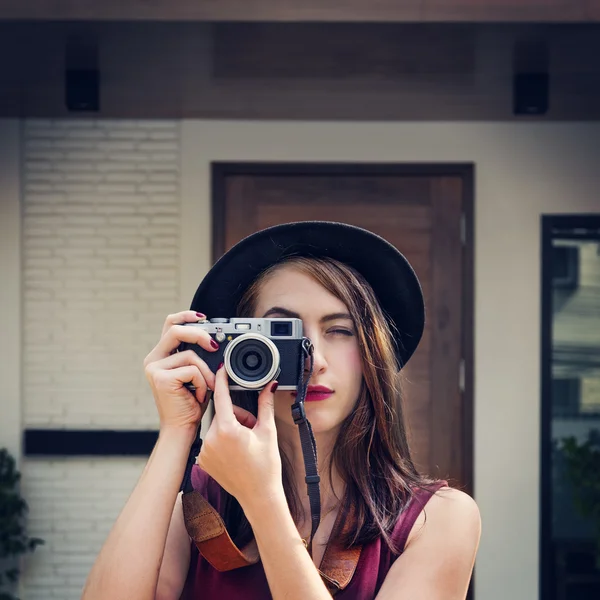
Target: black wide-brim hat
point(388, 272)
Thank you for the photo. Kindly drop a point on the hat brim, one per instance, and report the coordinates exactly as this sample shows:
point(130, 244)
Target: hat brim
point(388, 272)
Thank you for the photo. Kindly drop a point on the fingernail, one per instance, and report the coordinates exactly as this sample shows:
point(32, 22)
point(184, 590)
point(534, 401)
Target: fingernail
point(219, 367)
point(214, 344)
point(201, 315)
point(274, 387)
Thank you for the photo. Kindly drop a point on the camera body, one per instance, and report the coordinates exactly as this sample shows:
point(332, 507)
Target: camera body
point(254, 351)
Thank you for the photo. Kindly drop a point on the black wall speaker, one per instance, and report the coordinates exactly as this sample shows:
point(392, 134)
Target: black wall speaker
point(82, 89)
point(530, 93)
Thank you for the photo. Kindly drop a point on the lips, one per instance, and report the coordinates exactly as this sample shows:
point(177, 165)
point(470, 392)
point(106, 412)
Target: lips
point(317, 393)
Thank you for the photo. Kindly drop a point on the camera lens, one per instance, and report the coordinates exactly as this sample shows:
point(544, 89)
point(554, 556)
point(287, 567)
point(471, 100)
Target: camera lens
point(251, 360)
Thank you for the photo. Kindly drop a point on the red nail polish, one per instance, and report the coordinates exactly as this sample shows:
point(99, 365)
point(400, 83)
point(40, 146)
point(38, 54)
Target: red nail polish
point(201, 315)
point(219, 367)
point(214, 344)
point(274, 387)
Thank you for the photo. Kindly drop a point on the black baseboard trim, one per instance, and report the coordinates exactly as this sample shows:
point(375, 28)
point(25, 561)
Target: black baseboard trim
point(74, 442)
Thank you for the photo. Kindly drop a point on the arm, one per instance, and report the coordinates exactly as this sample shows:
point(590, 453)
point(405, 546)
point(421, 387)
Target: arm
point(129, 563)
point(290, 570)
point(176, 558)
point(439, 556)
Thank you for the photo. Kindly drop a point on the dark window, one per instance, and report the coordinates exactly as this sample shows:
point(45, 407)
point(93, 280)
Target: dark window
point(570, 456)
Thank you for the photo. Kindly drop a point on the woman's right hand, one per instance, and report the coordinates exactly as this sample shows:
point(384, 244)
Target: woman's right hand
point(168, 371)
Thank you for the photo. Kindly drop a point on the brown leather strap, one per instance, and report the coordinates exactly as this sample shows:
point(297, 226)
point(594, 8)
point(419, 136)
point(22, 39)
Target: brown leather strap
point(338, 566)
point(206, 527)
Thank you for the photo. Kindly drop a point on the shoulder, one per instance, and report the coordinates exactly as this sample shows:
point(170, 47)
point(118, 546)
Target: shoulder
point(439, 555)
point(448, 511)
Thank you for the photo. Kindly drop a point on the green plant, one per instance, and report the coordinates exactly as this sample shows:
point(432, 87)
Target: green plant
point(14, 540)
point(582, 462)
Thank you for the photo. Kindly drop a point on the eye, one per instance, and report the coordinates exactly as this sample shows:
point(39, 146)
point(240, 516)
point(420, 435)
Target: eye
point(339, 331)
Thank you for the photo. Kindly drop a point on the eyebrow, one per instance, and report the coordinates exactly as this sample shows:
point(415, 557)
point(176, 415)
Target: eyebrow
point(278, 310)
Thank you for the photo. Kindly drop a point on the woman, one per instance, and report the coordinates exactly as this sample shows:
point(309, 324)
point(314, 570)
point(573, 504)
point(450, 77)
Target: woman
point(384, 531)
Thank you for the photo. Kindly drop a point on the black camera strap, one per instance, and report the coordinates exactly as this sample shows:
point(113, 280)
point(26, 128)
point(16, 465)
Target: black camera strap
point(307, 440)
point(186, 483)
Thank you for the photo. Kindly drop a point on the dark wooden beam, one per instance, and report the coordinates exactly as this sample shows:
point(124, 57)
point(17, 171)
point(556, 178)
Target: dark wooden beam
point(342, 71)
point(502, 11)
point(211, 10)
point(305, 10)
point(342, 51)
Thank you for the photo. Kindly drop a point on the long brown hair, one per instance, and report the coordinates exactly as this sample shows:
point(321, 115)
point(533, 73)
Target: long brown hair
point(372, 453)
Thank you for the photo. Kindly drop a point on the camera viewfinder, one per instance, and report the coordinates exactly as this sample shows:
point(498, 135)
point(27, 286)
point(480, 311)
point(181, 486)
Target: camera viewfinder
point(281, 328)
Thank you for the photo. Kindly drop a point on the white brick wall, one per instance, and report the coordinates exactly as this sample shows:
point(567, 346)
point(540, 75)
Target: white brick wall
point(101, 217)
point(101, 256)
point(73, 504)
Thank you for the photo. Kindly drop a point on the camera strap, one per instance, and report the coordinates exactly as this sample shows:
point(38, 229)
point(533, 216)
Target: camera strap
point(307, 440)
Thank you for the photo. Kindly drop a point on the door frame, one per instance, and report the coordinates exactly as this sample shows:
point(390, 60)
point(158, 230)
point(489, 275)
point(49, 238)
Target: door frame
point(220, 170)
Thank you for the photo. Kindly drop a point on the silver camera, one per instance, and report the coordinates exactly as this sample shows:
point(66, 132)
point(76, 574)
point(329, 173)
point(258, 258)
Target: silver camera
point(254, 351)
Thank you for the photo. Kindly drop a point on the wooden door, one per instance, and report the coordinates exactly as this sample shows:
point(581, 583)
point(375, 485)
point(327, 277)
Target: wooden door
point(422, 215)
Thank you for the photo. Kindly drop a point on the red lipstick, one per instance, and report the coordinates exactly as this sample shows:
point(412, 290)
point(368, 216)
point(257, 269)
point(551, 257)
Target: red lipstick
point(317, 393)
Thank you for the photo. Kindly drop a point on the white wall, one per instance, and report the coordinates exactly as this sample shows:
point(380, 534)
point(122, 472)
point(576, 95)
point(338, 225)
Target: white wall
point(101, 267)
point(10, 288)
point(522, 171)
point(100, 227)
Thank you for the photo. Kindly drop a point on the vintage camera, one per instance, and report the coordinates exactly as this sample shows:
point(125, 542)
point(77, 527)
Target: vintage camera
point(254, 351)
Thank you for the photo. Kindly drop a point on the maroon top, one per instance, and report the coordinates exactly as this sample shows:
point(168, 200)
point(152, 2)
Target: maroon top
point(251, 583)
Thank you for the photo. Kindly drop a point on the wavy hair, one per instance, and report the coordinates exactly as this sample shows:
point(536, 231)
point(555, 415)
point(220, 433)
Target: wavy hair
point(372, 453)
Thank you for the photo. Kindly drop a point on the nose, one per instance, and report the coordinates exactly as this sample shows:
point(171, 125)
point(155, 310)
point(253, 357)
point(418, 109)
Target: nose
point(318, 357)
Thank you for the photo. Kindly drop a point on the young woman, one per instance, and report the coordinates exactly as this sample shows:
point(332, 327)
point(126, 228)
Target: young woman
point(385, 531)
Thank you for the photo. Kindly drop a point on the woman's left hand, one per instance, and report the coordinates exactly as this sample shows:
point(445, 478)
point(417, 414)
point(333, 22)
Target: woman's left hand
point(242, 455)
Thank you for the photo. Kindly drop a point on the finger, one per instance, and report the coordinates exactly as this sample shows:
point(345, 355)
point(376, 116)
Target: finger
point(185, 316)
point(222, 399)
point(266, 404)
point(189, 374)
point(244, 417)
point(199, 383)
point(182, 359)
point(181, 333)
